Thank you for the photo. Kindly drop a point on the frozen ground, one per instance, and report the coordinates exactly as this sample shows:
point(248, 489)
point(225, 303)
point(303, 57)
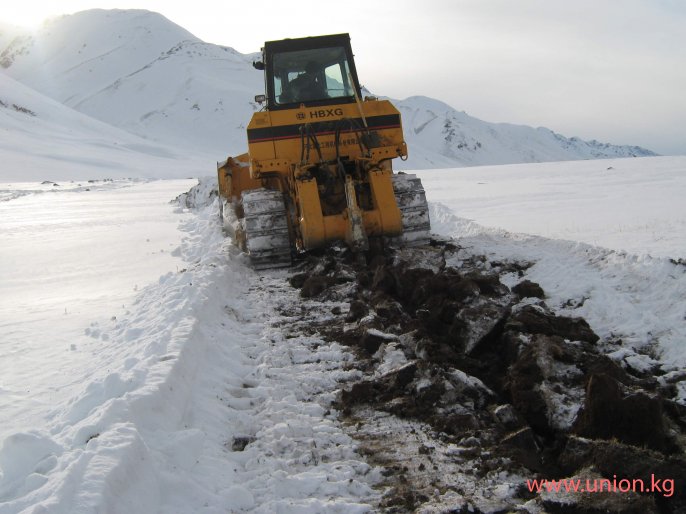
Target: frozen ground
point(190, 397)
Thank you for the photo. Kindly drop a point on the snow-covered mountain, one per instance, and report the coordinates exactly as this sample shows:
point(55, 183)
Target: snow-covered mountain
point(441, 136)
point(140, 72)
point(73, 57)
point(44, 139)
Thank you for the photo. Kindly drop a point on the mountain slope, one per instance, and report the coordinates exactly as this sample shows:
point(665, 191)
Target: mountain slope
point(73, 56)
point(441, 135)
point(195, 95)
point(140, 72)
point(43, 139)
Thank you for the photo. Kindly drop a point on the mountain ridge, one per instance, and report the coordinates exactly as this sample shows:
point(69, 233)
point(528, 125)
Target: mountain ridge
point(140, 72)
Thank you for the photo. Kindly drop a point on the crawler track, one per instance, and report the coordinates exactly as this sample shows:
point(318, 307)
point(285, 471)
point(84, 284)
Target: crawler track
point(264, 229)
point(414, 209)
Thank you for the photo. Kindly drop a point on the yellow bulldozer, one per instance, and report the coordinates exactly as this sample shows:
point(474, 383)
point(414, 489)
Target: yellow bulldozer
point(318, 167)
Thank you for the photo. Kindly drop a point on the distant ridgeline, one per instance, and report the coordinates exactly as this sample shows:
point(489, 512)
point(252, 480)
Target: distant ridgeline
point(142, 73)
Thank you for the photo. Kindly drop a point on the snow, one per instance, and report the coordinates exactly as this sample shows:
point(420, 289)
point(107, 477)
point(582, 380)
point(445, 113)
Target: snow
point(144, 366)
point(7, 33)
point(138, 71)
point(607, 244)
point(442, 137)
point(143, 413)
point(45, 140)
point(631, 205)
point(72, 57)
point(72, 263)
point(150, 372)
point(390, 356)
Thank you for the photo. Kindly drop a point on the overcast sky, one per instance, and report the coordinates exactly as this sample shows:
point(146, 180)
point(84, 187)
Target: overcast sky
point(612, 70)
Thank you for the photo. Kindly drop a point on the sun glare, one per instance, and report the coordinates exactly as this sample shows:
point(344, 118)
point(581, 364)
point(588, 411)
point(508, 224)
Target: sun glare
point(29, 16)
point(26, 16)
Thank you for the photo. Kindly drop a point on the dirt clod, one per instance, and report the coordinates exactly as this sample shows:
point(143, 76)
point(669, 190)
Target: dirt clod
point(632, 417)
point(315, 285)
point(490, 384)
point(357, 311)
point(528, 289)
point(536, 320)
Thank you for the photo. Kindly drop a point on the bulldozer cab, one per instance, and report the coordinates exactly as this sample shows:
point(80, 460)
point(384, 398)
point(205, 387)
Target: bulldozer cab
point(319, 161)
point(312, 71)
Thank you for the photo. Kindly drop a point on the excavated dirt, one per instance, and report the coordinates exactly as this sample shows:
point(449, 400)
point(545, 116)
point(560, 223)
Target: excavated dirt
point(470, 388)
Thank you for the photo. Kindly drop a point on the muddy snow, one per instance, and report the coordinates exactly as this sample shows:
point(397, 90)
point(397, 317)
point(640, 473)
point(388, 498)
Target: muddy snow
point(470, 388)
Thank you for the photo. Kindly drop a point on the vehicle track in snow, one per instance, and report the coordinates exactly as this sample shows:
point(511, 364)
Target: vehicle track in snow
point(266, 438)
point(470, 388)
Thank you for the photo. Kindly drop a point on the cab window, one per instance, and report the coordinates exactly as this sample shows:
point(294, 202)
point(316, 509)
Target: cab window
point(311, 75)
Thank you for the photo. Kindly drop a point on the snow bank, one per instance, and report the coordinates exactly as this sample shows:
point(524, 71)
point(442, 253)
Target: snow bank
point(606, 238)
point(635, 301)
point(203, 404)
